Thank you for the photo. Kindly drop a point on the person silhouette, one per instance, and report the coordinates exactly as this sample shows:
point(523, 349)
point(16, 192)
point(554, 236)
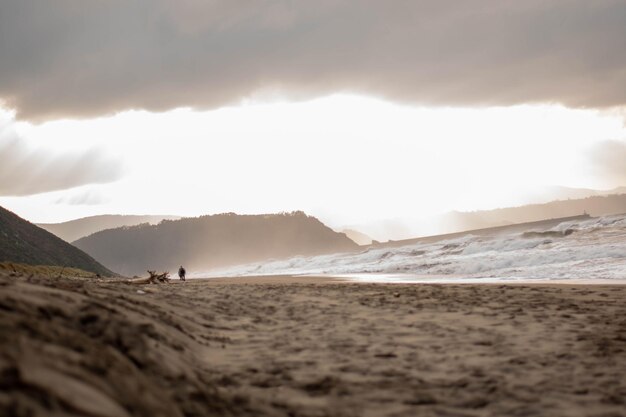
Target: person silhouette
point(181, 273)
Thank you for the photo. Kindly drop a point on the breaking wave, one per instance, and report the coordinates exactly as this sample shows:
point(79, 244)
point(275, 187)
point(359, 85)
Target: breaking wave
point(589, 249)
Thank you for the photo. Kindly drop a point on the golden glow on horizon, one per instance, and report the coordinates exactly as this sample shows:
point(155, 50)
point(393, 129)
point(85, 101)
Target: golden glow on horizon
point(344, 158)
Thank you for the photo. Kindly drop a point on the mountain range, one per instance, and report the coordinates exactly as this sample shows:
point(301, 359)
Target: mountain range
point(214, 241)
point(222, 240)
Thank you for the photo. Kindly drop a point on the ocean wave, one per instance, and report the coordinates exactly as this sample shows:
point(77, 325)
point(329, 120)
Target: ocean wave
point(590, 249)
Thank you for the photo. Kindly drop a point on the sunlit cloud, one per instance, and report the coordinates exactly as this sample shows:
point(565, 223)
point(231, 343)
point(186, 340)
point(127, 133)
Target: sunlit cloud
point(31, 167)
point(346, 159)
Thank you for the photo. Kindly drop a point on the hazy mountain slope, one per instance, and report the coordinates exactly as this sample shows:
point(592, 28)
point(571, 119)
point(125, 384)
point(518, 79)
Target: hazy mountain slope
point(212, 241)
point(23, 242)
point(357, 237)
point(451, 222)
point(75, 229)
point(595, 206)
point(548, 194)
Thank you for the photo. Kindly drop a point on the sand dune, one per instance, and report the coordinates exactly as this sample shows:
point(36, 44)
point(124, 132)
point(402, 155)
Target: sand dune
point(282, 346)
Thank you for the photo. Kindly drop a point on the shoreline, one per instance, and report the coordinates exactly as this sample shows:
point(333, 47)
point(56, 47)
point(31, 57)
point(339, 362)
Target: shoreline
point(363, 279)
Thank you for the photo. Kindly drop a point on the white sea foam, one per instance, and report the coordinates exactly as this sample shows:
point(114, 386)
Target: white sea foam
point(590, 249)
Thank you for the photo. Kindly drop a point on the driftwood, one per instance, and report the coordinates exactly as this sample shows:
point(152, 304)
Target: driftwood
point(154, 278)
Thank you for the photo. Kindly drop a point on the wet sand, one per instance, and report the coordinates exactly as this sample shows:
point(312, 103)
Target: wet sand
point(282, 346)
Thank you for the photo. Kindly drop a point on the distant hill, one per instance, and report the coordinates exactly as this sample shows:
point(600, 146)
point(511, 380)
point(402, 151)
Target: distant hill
point(212, 241)
point(75, 229)
point(554, 193)
point(456, 221)
point(23, 242)
point(595, 206)
point(535, 227)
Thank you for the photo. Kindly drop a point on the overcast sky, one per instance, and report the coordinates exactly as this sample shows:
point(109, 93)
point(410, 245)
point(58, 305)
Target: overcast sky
point(350, 110)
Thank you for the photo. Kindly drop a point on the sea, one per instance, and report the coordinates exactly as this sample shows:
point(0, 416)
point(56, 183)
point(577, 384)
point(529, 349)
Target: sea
point(592, 249)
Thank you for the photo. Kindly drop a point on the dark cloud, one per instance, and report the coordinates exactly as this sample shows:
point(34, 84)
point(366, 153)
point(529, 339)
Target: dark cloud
point(25, 170)
point(78, 58)
point(609, 162)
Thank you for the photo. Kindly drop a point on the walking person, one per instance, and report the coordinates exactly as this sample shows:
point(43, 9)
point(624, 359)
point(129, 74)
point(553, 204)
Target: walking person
point(181, 273)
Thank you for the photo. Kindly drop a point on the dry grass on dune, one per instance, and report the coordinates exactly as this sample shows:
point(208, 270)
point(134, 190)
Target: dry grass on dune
point(18, 269)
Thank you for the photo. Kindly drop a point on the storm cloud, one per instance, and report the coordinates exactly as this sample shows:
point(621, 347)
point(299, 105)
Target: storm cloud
point(76, 58)
point(26, 169)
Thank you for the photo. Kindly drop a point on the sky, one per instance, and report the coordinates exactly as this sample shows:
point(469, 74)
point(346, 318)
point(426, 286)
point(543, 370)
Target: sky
point(353, 111)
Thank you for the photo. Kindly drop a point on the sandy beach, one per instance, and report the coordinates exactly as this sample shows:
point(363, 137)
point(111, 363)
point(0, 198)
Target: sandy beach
point(285, 346)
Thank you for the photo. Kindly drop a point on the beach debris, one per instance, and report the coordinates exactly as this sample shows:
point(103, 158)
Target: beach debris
point(154, 278)
point(140, 292)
